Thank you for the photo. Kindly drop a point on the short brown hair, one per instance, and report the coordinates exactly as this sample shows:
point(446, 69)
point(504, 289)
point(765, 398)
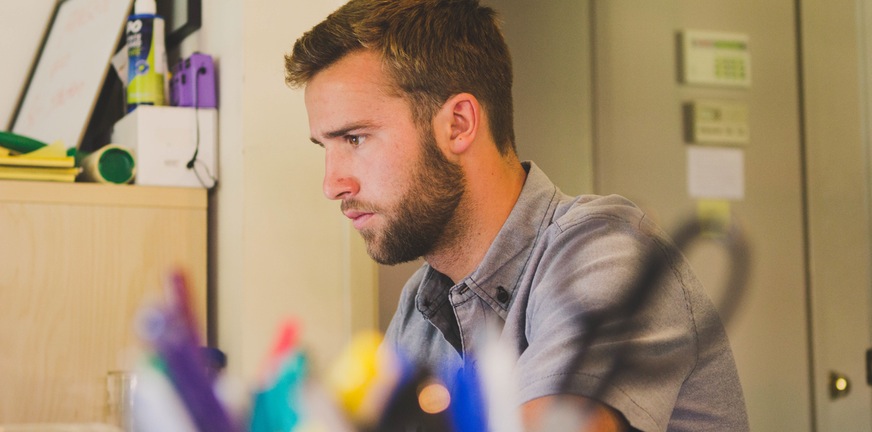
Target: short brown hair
point(434, 49)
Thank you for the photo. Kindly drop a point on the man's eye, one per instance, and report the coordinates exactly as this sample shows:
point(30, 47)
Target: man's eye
point(355, 140)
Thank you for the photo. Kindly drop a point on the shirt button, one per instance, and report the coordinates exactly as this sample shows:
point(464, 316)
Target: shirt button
point(502, 295)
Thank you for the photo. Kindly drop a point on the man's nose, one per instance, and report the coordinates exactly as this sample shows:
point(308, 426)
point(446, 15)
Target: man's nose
point(339, 183)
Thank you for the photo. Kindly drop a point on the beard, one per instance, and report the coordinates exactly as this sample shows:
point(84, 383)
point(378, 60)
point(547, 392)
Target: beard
point(423, 219)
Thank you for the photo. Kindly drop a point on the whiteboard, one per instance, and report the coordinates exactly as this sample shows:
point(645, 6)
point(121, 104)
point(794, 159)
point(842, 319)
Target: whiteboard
point(70, 71)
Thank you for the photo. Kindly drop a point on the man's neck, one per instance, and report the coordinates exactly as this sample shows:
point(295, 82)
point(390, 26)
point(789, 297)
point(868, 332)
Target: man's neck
point(492, 191)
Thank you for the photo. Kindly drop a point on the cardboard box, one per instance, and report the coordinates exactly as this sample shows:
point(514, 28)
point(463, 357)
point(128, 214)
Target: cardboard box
point(164, 141)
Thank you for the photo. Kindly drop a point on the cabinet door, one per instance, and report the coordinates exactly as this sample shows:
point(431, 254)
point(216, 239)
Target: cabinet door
point(76, 264)
point(836, 86)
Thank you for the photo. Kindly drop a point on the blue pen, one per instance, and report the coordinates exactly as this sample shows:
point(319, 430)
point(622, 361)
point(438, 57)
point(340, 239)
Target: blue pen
point(468, 410)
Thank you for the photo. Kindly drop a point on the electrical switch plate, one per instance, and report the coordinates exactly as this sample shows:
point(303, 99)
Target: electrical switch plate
point(715, 58)
point(717, 122)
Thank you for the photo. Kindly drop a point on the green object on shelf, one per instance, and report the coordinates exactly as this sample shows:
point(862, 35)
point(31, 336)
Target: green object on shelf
point(19, 143)
point(116, 166)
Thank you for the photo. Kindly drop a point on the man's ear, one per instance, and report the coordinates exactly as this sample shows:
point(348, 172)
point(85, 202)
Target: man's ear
point(462, 113)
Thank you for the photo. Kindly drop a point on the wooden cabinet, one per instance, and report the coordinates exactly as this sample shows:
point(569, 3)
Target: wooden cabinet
point(77, 261)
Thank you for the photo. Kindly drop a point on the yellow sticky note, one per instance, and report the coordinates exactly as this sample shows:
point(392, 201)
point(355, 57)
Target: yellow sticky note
point(713, 215)
point(53, 150)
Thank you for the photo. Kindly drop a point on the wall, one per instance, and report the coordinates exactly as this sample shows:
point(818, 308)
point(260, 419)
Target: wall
point(279, 249)
point(550, 45)
point(806, 208)
point(640, 153)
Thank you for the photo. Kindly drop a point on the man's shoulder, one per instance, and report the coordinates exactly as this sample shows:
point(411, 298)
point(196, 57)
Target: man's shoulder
point(589, 204)
point(614, 209)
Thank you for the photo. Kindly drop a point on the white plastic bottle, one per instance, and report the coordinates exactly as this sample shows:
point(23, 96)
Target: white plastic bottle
point(146, 54)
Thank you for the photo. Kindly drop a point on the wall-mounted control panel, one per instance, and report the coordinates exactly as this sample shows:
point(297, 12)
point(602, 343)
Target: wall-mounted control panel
point(714, 58)
point(716, 122)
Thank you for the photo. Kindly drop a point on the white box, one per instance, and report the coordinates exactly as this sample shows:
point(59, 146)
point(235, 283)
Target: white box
point(164, 141)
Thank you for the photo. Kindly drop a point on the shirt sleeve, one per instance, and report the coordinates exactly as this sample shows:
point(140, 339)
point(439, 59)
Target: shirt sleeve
point(587, 268)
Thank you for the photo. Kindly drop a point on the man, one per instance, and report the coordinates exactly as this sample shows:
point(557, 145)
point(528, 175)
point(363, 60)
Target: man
point(411, 101)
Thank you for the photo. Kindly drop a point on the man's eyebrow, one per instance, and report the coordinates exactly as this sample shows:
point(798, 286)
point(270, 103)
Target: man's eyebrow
point(345, 130)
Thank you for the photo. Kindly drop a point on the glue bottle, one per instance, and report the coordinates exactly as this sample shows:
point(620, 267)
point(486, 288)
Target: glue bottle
point(146, 55)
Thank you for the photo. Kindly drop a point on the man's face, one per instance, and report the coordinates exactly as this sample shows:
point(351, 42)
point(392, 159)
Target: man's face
point(395, 184)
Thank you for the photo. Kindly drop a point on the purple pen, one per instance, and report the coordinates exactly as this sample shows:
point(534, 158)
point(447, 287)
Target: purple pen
point(171, 330)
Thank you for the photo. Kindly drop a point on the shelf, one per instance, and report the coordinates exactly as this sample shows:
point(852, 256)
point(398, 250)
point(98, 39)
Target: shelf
point(101, 194)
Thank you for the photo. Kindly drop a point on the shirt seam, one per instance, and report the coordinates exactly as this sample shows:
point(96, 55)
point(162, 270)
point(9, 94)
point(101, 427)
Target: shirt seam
point(689, 309)
point(684, 294)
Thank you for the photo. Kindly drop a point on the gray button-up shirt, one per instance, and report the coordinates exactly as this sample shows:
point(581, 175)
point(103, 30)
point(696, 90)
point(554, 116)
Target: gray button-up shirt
point(557, 260)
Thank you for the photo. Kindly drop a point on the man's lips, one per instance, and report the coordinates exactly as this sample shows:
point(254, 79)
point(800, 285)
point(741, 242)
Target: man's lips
point(358, 218)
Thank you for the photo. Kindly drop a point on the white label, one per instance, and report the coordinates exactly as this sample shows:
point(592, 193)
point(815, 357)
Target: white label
point(716, 172)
